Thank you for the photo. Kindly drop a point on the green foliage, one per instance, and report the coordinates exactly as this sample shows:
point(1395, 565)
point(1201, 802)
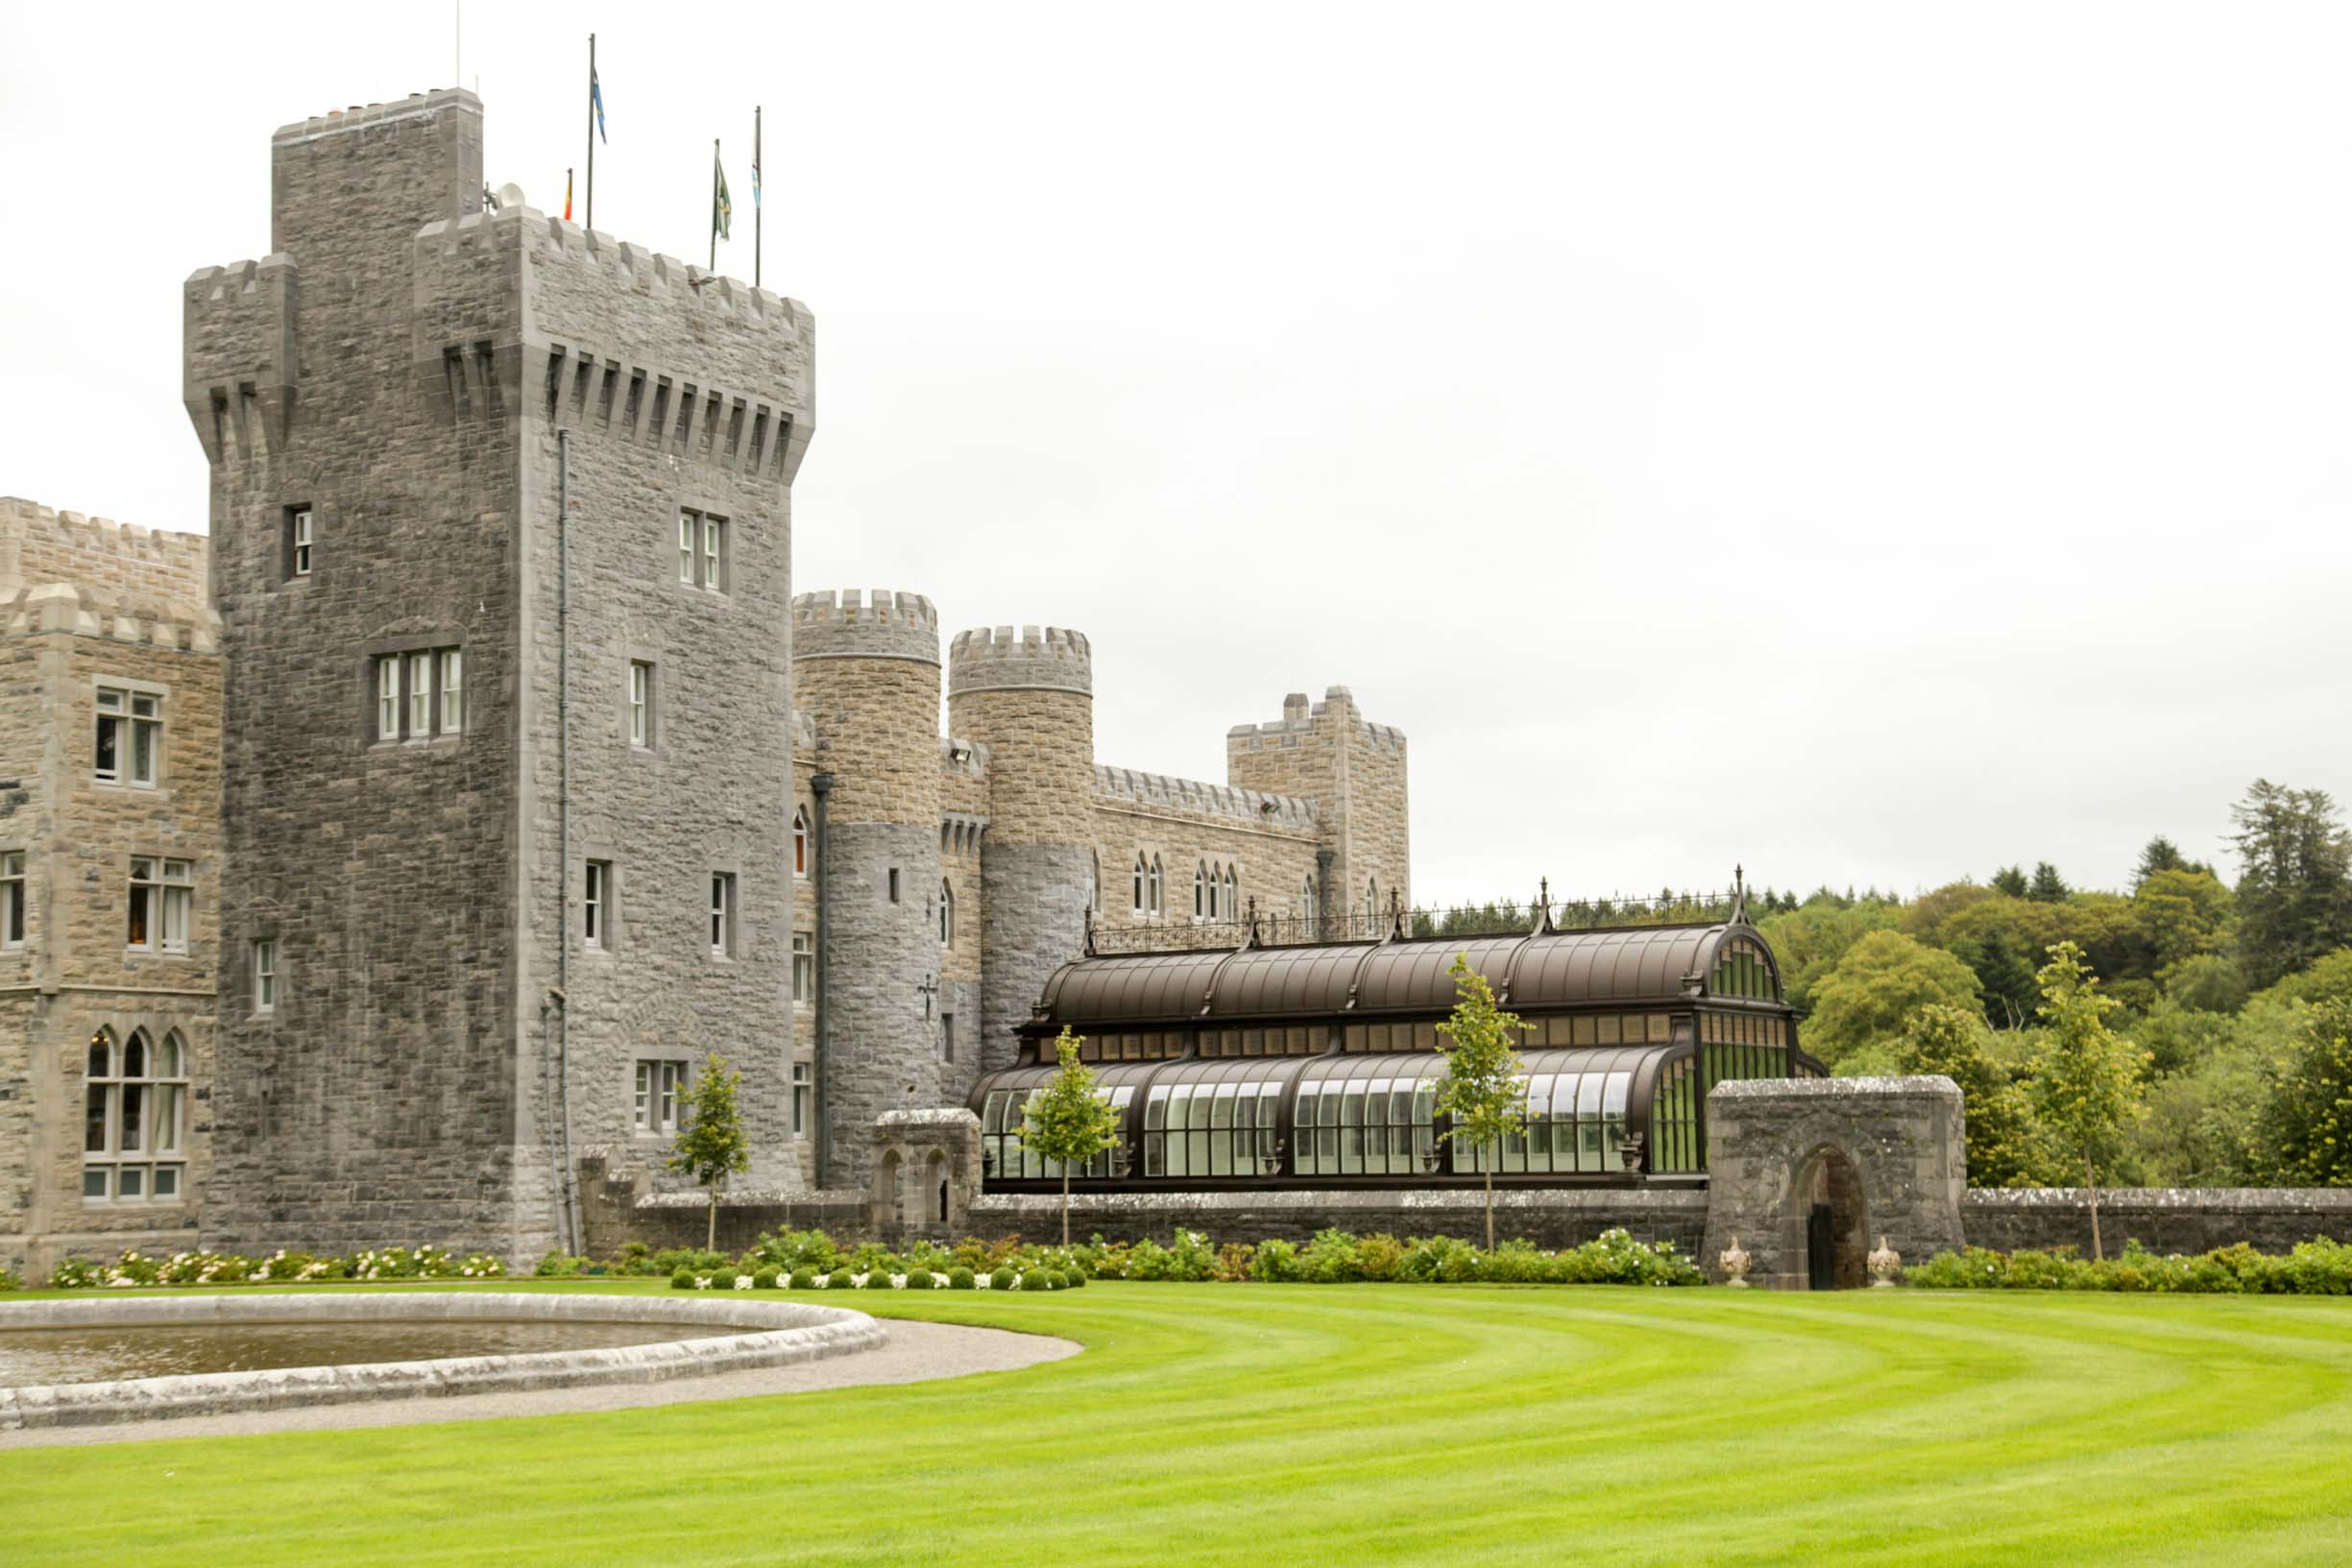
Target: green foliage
point(960, 1278)
point(1482, 1091)
point(1275, 1262)
point(279, 1267)
point(9, 1281)
point(1881, 981)
point(2004, 1147)
point(2325, 979)
point(711, 1143)
point(2207, 984)
point(2294, 893)
point(2309, 1118)
point(1812, 940)
point(804, 1279)
point(797, 1249)
point(1068, 1122)
point(2314, 1268)
point(2046, 885)
point(1002, 1278)
point(682, 1280)
point(560, 1266)
point(2010, 881)
point(2086, 1075)
point(767, 1279)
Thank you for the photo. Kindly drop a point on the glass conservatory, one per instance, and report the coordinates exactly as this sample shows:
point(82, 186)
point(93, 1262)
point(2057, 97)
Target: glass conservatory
point(1316, 1065)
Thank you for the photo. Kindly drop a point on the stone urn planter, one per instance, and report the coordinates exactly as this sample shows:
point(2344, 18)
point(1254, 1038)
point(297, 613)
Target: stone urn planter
point(1884, 1263)
point(1736, 1262)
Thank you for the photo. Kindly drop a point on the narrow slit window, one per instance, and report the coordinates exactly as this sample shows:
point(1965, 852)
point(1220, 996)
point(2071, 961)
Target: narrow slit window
point(13, 899)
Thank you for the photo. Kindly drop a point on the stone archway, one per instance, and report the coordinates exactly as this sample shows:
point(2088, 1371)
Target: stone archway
point(1883, 1156)
point(1828, 1221)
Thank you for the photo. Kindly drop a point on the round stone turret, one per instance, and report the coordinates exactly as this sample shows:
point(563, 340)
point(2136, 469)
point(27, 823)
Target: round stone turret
point(866, 677)
point(1028, 698)
point(855, 626)
point(1053, 658)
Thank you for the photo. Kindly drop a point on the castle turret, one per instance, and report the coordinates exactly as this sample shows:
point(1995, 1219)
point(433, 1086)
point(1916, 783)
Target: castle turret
point(865, 669)
point(1029, 699)
point(1355, 771)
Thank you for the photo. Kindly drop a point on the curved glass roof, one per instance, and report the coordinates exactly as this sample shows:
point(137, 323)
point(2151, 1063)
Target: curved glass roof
point(1644, 965)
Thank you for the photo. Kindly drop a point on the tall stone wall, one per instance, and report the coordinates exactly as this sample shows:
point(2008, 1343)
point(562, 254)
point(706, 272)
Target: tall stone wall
point(120, 608)
point(866, 671)
point(1030, 700)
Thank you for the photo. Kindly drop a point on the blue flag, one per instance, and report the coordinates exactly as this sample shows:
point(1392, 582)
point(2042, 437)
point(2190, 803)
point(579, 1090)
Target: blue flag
point(596, 96)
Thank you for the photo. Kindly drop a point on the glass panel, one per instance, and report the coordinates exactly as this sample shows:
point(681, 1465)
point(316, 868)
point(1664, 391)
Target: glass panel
point(131, 1181)
point(167, 1058)
point(1588, 1151)
point(144, 753)
point(167, 1119)
point(96, 1103)
point(94, 1181)
point(101, 1062)
point(167, 1181)
point(134, 1057)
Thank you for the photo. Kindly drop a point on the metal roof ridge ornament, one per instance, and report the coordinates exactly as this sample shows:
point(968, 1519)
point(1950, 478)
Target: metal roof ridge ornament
point(1740, 896)
point(1544, 909)
point(1249, 938)
point(1090, 948)
point(1396, 919)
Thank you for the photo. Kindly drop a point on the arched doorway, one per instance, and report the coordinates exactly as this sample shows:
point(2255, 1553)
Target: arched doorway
point(1829, 1220)
point(935, 1182)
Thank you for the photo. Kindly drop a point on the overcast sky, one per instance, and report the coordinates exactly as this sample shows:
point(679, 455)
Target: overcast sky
point(1875, 444)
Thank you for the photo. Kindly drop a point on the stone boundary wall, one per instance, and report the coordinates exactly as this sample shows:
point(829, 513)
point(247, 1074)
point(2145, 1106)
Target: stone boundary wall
point(2160, 1218)
point(1548, 1217)
point(773, 1334)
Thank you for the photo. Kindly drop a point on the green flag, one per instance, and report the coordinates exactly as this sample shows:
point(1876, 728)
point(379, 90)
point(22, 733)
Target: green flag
point(721, 209)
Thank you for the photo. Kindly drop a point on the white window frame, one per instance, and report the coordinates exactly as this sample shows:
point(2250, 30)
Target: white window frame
point(142, 1121)
point(388, 697)
point(1142, 897)
point(804, 969)
point(661, 1092)
point(800, 1100)
point(162, 901)
point(420, 677)
point(596, 905)
point(1233, 894)
point(722, 914)
point(687, 528)
point(640, 702)
point(132, 721)
point(1200, 890)
point(947, 913)
point(15, 920)
point(450, 675)
point(1159, 889)
point(714, 553)
point(265, 973)
point(302, 541)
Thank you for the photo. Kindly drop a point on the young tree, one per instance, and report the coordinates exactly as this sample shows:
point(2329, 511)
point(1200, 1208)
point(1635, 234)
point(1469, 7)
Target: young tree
point(712, 1144)
point(2294, 891)
point(2309, 1115)
point(1484, 1092)
point(2047, 886)
point(1065, 1122)
point(2004, 1147)
point(2086, 1076)
point(2010, 881)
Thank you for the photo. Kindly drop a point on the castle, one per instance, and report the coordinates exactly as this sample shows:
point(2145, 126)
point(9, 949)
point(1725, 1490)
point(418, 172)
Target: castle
point(481, 774)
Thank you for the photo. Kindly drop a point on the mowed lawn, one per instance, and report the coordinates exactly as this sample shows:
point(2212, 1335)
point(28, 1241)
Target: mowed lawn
point(1346, 1425)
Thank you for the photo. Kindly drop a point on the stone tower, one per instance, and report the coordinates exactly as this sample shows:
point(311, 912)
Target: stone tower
point(501, 513)
point(866, 672)
point(1356, 771)
point(1029, 699)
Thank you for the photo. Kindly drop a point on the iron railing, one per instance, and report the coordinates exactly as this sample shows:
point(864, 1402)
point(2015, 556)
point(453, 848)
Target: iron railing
point(1502, 917)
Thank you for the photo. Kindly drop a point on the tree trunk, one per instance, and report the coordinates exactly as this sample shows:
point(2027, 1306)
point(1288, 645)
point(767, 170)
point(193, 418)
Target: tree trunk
point(1065, 1203)
point(1490, 1201)
point(2090, 1179)
point(711, 1242)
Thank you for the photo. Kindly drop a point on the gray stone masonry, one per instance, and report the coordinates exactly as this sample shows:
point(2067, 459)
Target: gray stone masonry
point(1548, 1217)
point(1037, 897)
point(2161, 1219)
point(1888, 1155)
point(882, 1050)
point(926, 1174)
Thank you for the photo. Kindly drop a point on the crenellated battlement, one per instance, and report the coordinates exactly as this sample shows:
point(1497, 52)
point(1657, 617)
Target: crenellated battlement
point(855, 624)
point(610, 339)
point(1298, 720)
point(1050, 659)
point(83, 609)
point(1157, 791)
point(239, 368)
point(41, 546)
point(430, 105)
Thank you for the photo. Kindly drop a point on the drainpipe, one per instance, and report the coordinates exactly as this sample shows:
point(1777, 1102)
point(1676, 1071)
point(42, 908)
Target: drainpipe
point(1322, 891)
point(820, 785)
point(568, 1177)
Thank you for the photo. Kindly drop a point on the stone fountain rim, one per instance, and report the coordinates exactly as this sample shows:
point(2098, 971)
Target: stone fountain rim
point(775, 1334)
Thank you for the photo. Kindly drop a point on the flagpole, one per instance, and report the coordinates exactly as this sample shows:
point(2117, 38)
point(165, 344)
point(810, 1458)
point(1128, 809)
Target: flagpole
point(592, 131)
point(714, 266)
point(756, 204)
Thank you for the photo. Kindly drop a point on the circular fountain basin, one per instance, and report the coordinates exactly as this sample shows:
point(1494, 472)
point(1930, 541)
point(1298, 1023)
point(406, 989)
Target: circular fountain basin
point(673, 1338)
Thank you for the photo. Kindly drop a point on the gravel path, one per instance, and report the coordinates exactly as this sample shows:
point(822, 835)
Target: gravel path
point(917, 1353)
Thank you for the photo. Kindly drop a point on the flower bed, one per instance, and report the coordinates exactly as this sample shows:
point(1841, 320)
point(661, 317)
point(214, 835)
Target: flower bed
point(2315, 1268)
point(279, 1267)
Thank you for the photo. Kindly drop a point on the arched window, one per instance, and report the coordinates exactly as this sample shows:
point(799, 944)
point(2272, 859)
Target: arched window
point(800, 843)
point(1306, 908)
point(135, 1119)
point(1200, 890)
point(1233, 894)
point(1372, 897)
point(1142, 872)
point(947, 914)
point(1159, 901)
